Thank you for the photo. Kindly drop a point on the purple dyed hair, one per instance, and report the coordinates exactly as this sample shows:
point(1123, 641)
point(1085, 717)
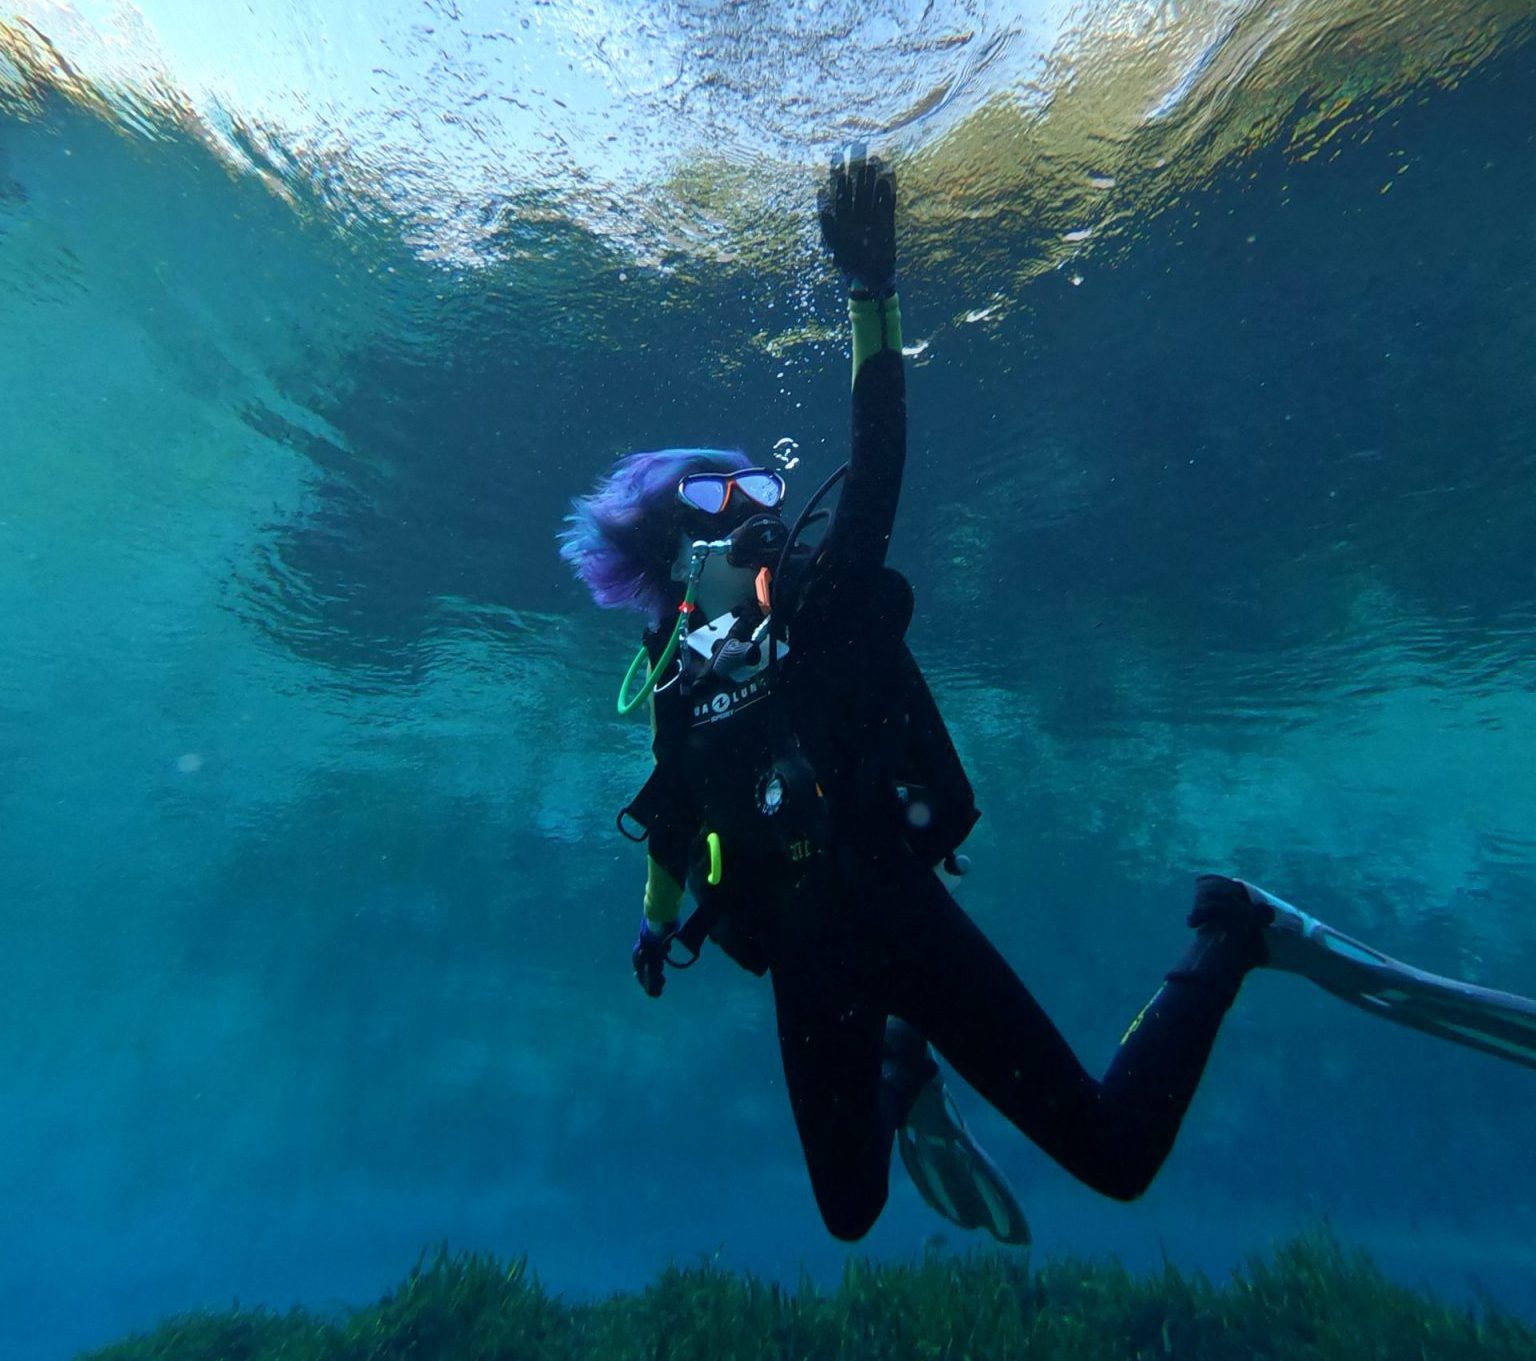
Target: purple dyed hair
point(621, 540)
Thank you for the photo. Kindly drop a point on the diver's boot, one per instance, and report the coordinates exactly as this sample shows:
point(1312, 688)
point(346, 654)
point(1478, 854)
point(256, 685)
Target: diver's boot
point(1231, 937)
point(948, 1167)
point(1232, 914)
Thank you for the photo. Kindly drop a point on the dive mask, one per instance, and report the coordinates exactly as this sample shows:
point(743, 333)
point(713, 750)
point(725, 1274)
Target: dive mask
point(711, 493)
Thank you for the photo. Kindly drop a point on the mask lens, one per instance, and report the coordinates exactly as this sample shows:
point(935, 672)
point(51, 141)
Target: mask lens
point(767, 489)
point(704, 491)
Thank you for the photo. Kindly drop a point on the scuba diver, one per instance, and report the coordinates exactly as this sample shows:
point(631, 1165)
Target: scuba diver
point(807, 793)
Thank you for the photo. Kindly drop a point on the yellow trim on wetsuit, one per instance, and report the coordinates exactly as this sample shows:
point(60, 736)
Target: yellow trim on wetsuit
point(876, 326)
point(663, 895)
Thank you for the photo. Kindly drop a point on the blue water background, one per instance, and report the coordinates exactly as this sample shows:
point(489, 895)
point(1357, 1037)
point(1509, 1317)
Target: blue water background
point(313, 927)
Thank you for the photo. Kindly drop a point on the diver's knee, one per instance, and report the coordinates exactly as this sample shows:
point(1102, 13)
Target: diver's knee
point(1125, 1182)
point(848, 1220)
point(849, 1231)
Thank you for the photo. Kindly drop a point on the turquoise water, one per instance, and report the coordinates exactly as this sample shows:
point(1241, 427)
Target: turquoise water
point(313, 927)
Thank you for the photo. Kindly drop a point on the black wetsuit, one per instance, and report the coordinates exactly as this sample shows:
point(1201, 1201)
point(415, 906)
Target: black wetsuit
point(864, 929)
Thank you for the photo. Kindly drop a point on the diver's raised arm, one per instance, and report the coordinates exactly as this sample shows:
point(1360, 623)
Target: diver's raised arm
point(857, 208)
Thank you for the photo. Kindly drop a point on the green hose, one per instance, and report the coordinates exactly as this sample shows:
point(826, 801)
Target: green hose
point(629, 703)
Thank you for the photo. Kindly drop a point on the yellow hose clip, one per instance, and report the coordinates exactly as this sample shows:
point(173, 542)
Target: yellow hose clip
point(714, 858)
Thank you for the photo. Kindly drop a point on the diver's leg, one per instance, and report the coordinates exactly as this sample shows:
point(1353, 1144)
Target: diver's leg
point(952, 983)
point(831, 1037)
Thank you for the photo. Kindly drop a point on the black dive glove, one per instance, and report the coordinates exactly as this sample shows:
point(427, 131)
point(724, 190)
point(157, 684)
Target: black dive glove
point(650, 957)
point(858, 222)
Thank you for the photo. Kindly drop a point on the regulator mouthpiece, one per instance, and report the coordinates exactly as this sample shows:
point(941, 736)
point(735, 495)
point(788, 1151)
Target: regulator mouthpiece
point(757, 542)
